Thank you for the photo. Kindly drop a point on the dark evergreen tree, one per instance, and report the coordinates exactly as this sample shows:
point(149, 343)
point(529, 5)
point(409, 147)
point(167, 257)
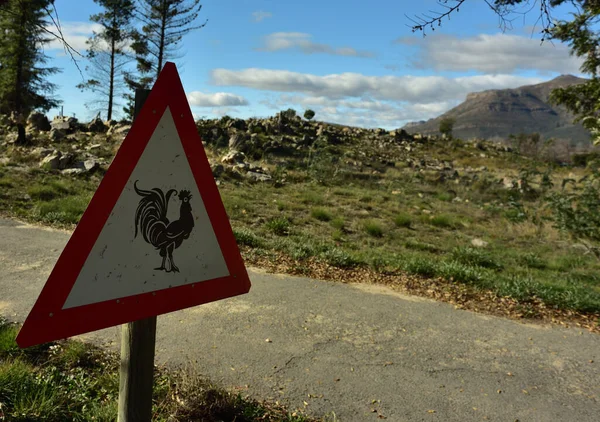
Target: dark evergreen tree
point(108, 54)
point(23, 79)
point(165, 22)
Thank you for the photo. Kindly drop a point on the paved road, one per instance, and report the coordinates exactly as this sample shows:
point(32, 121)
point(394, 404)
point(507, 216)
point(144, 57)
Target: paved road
point(351, 349)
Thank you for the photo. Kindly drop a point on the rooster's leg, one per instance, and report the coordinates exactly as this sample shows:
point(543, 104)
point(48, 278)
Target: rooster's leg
point(173, 266)
point(162, 267)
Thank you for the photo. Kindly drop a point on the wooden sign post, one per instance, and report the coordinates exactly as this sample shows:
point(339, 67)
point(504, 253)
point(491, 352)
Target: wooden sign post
point(138, 343)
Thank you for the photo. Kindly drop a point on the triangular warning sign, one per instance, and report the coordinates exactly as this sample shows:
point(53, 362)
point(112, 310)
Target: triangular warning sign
point(155, 237)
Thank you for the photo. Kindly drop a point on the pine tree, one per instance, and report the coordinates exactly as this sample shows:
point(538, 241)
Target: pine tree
point(23, 79)
point(108, 54)
point(165, 22)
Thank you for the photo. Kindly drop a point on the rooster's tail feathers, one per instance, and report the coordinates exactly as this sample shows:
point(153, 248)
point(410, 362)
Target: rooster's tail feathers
point(151, 213)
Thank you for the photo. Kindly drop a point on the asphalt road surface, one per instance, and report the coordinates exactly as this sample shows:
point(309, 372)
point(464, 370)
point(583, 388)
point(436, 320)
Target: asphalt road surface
point(357, 351)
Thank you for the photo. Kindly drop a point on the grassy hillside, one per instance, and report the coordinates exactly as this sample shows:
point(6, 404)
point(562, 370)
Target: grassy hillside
point(464, 222)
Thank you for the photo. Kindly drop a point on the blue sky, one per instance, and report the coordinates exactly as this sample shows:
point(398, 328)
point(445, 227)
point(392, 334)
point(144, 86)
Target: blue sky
point(353, 62)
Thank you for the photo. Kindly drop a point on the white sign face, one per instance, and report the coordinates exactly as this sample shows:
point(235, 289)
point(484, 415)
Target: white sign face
point(175, 243)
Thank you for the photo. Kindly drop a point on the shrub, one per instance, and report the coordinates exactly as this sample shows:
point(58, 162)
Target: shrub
point(340, 258)
point(403, 220)
point(443, 221)
point(338, 223)
point(279, 226)
point(321, 214)
point(309, 114)
point(446, 126)
point(444, 196)
point(458, 271)
point(373, 228)
point(289, 114)
point(337, 235)
point(419, 265)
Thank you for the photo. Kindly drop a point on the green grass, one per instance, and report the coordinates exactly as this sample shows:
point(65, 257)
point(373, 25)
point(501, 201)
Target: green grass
point(321, 214)
point(533, 260)
point(338, 223)
point(66, 210)
point(73, 381)
point(403, 220)
point(373, 228)
point(246, 237)
point(420, 246)
point(279, 226)
point(312, 198)
point(445, 196)
point(475, 257)
point(443, 221)
point(48, 191)
point(6, 183)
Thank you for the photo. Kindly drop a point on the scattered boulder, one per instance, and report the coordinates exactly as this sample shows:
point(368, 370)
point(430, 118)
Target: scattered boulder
point(51, 161)
point(217, 169)
point(90, 165)
point(235, 142)
point(119, 130)
point(239, 124)
point(97, 126)
point(508, 183)
point(65, 160)
point(64, 123)
point(72, 171)
point(38, 121)
point(57, 135)
point(43, 152)
point(479, 243)
point(258, 177)
point(234, 157)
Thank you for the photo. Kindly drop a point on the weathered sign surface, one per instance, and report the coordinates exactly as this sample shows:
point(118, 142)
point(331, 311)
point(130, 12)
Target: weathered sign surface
point(155, 237)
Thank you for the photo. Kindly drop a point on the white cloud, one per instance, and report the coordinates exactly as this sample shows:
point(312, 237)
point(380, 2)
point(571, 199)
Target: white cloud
point(412, 89)
point(498, 53)
point(363, 112)
point(75, 34)
point(299, 40)
point(217, 99)
point(260, 15)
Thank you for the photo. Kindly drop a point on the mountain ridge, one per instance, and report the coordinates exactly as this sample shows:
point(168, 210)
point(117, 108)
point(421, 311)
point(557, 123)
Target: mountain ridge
point(497, 113)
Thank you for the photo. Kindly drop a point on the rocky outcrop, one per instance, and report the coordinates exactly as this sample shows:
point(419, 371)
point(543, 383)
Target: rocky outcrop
point(97, 126)
point(38, 121)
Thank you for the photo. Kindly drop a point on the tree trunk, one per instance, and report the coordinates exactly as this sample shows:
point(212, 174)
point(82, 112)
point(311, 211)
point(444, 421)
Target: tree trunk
point(18, 104)
point(111, 87)
point(21, 135)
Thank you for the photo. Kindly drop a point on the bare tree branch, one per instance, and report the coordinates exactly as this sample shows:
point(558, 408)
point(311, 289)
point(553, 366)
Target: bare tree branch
point(504, 11)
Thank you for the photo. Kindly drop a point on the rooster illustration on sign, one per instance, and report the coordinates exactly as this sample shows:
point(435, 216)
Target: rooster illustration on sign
point(151, 220)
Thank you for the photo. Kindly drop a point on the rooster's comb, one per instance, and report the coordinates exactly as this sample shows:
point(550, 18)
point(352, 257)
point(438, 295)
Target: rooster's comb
point(184, 194)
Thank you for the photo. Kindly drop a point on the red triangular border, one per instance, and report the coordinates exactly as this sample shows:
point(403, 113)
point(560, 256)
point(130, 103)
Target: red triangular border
point(47, 321)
